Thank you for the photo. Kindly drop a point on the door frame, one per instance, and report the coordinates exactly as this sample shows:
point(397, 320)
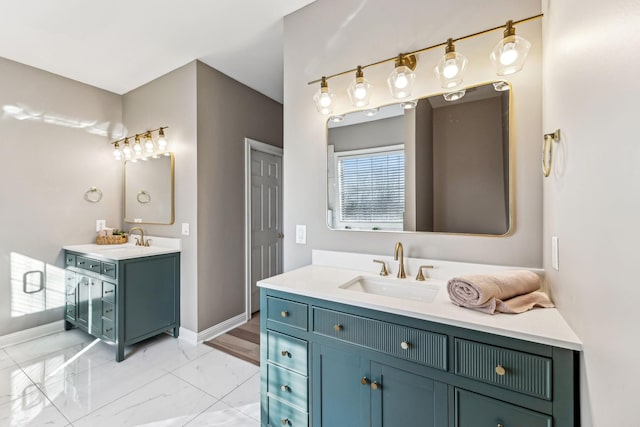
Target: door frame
point(251, 144)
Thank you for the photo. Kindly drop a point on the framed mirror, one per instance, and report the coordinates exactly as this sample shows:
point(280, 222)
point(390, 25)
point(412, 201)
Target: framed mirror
point(435, 164)
point(148, 190)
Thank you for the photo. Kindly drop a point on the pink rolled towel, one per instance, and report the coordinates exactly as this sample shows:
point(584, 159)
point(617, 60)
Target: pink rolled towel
point(511, 291)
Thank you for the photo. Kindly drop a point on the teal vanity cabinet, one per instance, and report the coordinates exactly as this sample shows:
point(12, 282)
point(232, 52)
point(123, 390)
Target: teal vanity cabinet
point(331, 364)
point(122, 301)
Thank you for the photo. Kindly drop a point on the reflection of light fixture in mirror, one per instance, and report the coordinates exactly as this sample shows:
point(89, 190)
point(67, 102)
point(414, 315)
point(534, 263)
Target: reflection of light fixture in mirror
point(401, 79)
point(360, 90)
point(450, 68)
point(126, 149)
point(455, 95)
point(324, 98)
point(337, 118)
point(370, 112)
point(148, 143)
point(408, 105)
point(510, 53)
point(501, 86)
point(162, 142)
point(137, 147)
point(117, 153)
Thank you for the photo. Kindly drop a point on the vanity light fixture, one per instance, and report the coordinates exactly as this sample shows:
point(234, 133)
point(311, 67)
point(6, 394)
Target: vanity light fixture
point(508, 57)
point(401, 79)
point(510, 53)
point(140, 150)
point(360, 90)
point(450, 68)
point(324, 98)
point(455, 95)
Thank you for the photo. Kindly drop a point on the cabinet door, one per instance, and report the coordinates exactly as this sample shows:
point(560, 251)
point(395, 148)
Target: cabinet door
point(402, 398)
point(341, 388)
point(95, 318)
point(84, 298)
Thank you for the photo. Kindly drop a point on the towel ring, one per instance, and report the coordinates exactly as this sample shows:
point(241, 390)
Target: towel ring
point(143, 197)
point(93, 195)
point(547, 146)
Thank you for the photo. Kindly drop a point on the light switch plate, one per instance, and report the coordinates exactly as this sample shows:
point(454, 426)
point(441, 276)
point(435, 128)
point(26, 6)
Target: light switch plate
point(185, 228)
point(301, 234)
point(555, 255)
point(100, 224)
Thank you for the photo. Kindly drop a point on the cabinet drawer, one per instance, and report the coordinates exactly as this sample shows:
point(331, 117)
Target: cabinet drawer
point(287, 351)
point(287, 385)
point(108, 292)
point(108, 311)
point(473, 410)
point(515, 370)
point(281, 414)
point(109, 269)
point(417, 345)
point(108, 329)
point(88, 264)
point(70, 260)
point(287, 312)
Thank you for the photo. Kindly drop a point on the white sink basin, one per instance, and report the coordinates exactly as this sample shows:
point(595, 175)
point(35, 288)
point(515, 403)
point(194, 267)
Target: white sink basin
point(395, 288)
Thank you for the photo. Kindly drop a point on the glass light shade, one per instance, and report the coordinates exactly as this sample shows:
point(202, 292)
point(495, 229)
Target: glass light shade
point(162, 142)
point(450, 69)
point(126, 150)
point(137, 147)
point(117, 153)
point(455, 95)
point(360, 90)
point(400, 82)
point(510, 54)
point(148, 145)
point(323, 98)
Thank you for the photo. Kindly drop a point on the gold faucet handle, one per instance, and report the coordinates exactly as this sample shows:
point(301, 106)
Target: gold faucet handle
point(420, 276)
point(147, 242)
point(383, 270)
point(138, 242)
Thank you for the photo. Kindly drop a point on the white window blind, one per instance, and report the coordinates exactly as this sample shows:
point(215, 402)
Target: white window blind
point(371, 187)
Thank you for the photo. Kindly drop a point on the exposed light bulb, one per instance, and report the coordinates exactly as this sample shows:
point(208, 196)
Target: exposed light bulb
point(162, 142)
point(450, 68)
point(360, 90)
point(509, 54)
point(401, 79)
point(148, 143)
point(137, 147)
point(323, 98)
point(117, 153)
point(126, 150)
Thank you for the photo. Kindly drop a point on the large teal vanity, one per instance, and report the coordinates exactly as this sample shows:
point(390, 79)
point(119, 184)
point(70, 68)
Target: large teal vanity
point(334, 357)
point(122, 293)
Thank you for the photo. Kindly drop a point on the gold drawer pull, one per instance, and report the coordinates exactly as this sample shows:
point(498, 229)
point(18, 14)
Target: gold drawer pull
point(405, 345)
point(285, 421)
point(284, 387)
point(285, 353)
point(500, 425)
point(337, 327)
point(375, 385)
point(284, 313)
point(364, 381)
point(500, 370)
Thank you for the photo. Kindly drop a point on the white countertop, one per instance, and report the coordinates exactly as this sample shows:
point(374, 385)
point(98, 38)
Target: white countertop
point(159, 246)
point(544, 326)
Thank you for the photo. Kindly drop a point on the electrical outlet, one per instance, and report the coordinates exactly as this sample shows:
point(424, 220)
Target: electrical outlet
point(555, 254)
point(185, 228)
point(301, 234)
point(100, 224)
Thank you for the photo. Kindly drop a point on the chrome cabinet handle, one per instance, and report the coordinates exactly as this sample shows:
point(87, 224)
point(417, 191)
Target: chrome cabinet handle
point(500, 370)
point(405, 345)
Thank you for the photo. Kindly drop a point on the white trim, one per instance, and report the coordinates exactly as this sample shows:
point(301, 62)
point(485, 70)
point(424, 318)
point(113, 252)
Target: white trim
point(250, 144)
point(32, 333)
point(188, 336)
point(221, 328)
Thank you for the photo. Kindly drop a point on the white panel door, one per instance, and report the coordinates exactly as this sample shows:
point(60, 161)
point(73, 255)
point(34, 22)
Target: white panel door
point(266, 220)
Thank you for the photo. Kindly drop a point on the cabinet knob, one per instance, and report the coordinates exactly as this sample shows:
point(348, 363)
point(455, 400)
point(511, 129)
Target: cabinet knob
point(108, 292)
point(284, 313)
point(337, 327)
point(500, 370)
point(499, 425)
point(364, 381)
point(285, 353)
point(405, 345)
point(284, 387)
point(375, 385)
point(285, 421)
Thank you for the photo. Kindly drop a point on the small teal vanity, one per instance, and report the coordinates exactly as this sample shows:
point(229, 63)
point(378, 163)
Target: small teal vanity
point(332, 357)
point(122, 294)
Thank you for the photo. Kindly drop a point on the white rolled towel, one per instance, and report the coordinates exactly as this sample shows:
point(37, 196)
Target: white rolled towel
point(510, 291)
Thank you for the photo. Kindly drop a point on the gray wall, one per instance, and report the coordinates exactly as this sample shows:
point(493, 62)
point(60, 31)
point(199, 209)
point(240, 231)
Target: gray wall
point(228, 112)
point(592, 198)
point(424, 166)
point(377, 133)
point(46, 165)
point(170, 100)
point(328, 37)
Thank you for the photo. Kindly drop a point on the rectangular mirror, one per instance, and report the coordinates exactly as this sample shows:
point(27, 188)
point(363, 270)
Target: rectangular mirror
point(442, 166)
point(148, 190)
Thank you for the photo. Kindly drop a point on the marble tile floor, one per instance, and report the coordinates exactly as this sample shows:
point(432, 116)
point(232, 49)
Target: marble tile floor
point(72, 379)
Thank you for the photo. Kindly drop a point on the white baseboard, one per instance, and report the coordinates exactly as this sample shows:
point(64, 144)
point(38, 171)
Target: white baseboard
point(188, 336)
point(30, 334)
point(221, 328)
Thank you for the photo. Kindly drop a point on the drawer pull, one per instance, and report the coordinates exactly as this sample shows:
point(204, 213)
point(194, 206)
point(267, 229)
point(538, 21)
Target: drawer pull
point(500, 370)
point(405, 345)
point(108, 292)
point(500, 425)
point(375, 385)
point(364, 381)
point(285, 421)
point(108, 268)
point(94, 265)
point(337, 327)
point(284, 387)
point(81, 263)
point(284, 313)
point(109, 310)
point(285, 353)
point(108, 329)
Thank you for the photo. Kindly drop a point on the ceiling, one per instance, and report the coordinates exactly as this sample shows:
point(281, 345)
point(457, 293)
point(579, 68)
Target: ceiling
point(119, 45)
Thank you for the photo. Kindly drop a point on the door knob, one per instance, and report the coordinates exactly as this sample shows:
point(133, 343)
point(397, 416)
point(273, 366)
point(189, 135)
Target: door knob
point(280, 236)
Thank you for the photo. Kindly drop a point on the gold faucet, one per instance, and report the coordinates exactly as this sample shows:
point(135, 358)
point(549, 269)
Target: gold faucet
point(399, 250)
point(140, 241)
